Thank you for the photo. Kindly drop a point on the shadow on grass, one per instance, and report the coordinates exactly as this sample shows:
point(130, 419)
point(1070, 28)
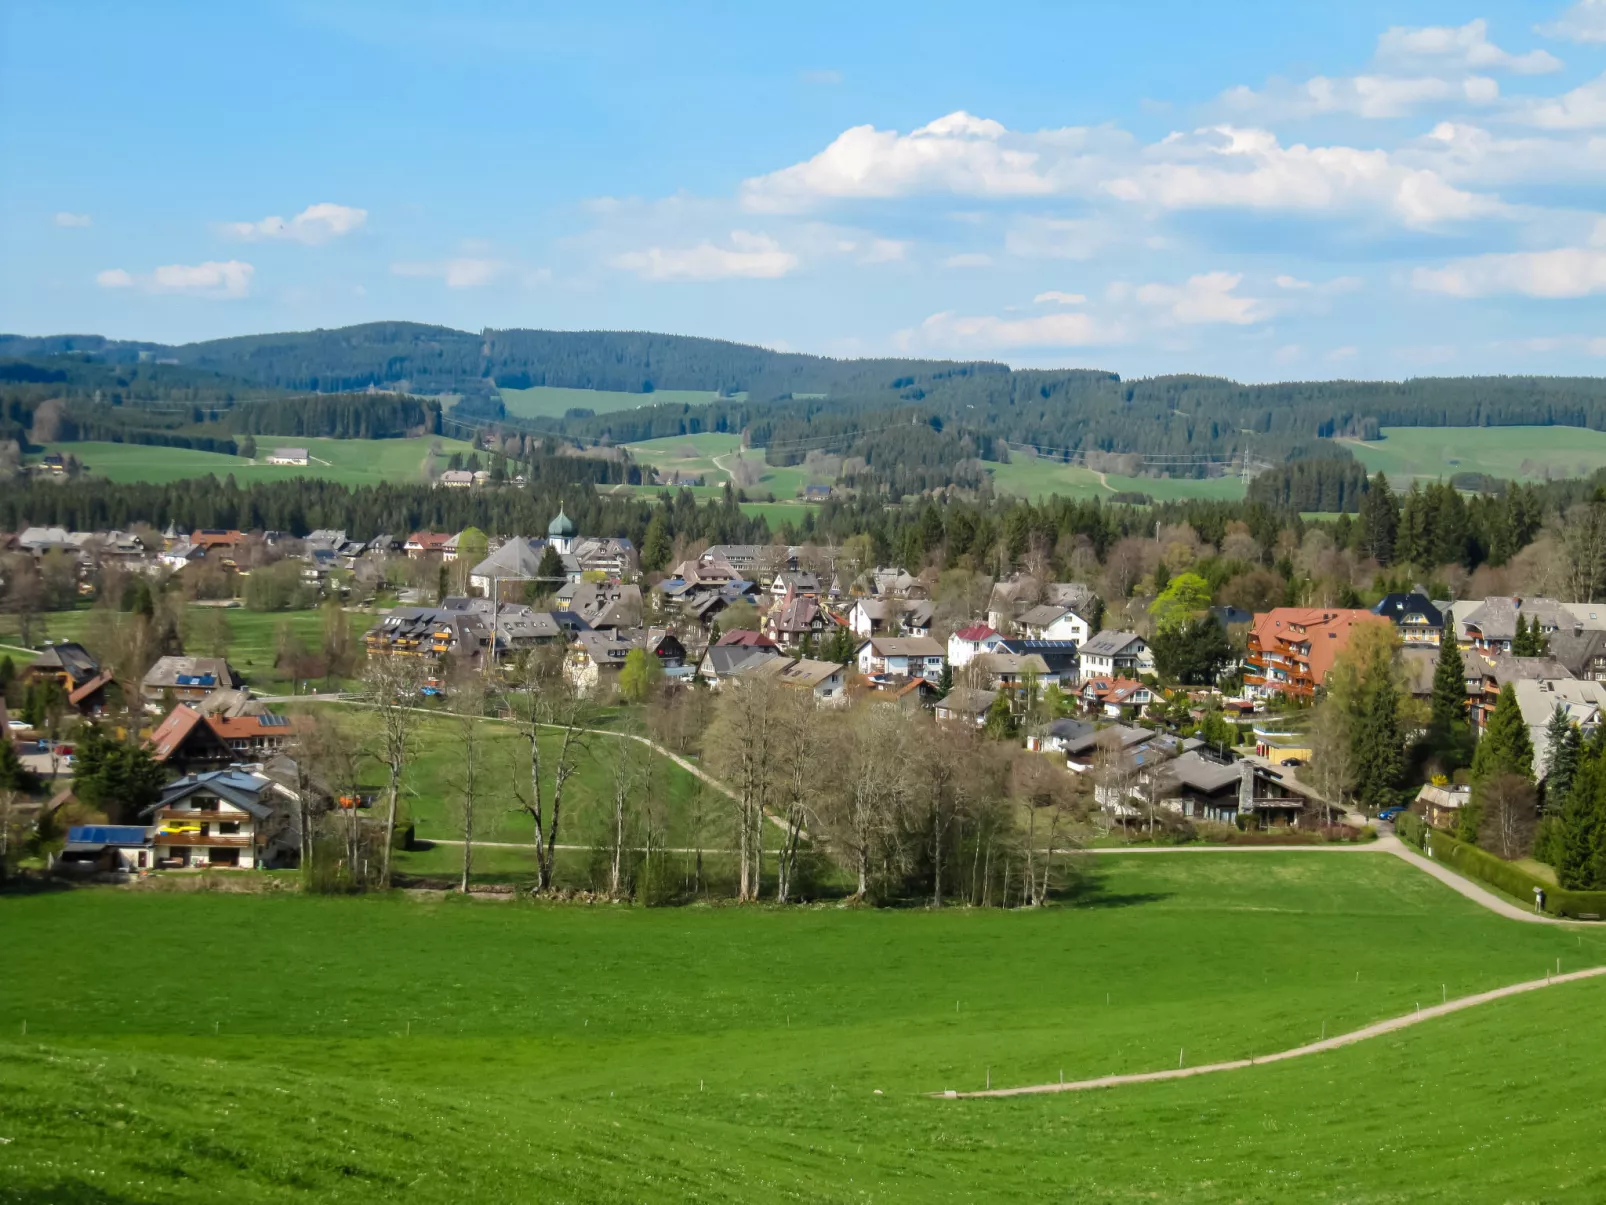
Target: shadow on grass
point(1091, 889)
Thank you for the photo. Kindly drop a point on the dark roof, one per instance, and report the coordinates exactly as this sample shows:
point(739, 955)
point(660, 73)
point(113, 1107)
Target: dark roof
point(1397, 606)
point(244, 791)
point(69, 656)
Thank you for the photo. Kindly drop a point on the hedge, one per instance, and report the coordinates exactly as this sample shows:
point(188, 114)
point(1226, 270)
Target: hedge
point(1512, 879)
point(1410, 827)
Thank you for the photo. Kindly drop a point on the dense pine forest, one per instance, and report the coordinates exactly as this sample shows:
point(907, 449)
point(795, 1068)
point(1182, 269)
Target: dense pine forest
point(910, 425)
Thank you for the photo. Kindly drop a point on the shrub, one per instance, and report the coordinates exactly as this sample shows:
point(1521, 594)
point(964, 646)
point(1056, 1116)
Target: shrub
point(1513, 879)
point(1410, 828)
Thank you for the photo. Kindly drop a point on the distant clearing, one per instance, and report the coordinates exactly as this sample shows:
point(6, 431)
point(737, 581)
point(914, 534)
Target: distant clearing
point(1040, 477)
point(1515, 453)
point(348, 461)
point(552, 401)
point(713, 456)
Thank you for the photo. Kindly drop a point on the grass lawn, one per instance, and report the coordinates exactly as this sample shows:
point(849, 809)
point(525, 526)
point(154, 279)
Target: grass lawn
point(253, 643)
point(1516, 453)
point(1034, 478)
point(551, 401)
point(348, 461)
point(430, 794)
point(197, 1047)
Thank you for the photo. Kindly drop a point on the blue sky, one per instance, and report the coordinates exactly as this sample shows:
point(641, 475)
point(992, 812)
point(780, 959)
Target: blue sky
point(1266, 191)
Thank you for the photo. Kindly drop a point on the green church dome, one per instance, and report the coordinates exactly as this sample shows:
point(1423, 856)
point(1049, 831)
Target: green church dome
point(560, 528)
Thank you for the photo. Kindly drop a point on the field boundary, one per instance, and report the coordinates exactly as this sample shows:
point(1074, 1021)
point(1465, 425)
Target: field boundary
point(1392, 1025)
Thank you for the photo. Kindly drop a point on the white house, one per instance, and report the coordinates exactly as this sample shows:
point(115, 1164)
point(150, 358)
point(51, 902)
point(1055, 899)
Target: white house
point(223, 818)
point(1050, 622)
point(289, 456)
point(1113, 654)
point(901, 657)
point(970, 642)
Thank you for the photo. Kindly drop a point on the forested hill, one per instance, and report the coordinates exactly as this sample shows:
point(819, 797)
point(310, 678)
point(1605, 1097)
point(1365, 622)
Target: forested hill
point(792, 403)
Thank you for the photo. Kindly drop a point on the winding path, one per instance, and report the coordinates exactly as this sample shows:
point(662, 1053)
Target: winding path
point(1347, 1039)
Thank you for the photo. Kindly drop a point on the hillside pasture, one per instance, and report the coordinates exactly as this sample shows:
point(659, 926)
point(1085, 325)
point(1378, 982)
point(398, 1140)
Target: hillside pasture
point(552, 401)
point(347, 461)
point(1035, 478)
point(1513, 453)
point(712, 455)
point(451, 1050)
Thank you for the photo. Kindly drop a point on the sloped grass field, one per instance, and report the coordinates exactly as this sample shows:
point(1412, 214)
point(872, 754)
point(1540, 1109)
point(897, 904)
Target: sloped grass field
point(554, 401)
point(1515, 453)
point(347, 461)
point(1040, 477)
point(197, 1047)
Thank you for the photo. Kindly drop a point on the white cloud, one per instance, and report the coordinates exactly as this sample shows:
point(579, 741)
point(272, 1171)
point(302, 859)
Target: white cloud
point(1461, 46)
point(959, 153)
point(462, 272)
point(968, 259)
point(1058, 298)
point(73, 220)
point(1467, 153)
point(1292, 282)
point(226, 279)
point(1206, 298)
point(824, 77)
point(1582, 108)
point(1348, 352)
point(315, 224)
point(1289, 353)
point(1563, 272)
point(1230, 167)
point(952, 331)
point(1372, 96)
point(749, 255)
point(1583, 22)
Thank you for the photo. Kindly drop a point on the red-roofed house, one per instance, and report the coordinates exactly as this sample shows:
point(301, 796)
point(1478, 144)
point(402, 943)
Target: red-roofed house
point(427, 543)
point(1118, 698)
point(1292, 649)
point(971, 642)
point(745, 638)
point(187, 739)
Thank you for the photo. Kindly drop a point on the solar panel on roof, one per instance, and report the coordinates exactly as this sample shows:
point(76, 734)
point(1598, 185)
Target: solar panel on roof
point(274, 721)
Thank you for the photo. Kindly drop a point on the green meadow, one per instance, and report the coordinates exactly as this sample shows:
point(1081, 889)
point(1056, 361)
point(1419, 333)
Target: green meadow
point(253, 636)
point(1514, 453)
point(551, 401)
point(348, 461)
point(202, 1046)
point(711, 455)
point(1031, 477)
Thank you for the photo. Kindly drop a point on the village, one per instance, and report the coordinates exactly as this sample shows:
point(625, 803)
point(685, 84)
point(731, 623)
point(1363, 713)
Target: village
point(1033, 665)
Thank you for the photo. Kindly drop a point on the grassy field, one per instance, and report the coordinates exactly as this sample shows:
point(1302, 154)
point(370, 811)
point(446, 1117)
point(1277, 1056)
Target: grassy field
point(348, 461)
point(253, 645)
point(1035, 478)
point(1515, 453)
point(430, 795)
point(377, 1048)
point(551, 401)
point(710, 455)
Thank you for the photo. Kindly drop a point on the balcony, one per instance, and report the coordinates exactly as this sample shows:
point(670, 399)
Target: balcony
point(213, 840)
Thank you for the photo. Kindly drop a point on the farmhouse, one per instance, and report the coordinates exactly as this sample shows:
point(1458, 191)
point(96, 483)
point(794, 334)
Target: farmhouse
point(187, 679)
point(293, 456)
point(69, 664)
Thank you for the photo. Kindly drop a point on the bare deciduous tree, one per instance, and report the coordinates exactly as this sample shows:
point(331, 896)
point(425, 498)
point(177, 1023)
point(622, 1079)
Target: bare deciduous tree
point(391, 686)
point(549, 700)
point(1510, 815)
point(741, 746)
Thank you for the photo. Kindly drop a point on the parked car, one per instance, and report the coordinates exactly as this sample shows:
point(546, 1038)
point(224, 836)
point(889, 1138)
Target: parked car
point(1390, 813)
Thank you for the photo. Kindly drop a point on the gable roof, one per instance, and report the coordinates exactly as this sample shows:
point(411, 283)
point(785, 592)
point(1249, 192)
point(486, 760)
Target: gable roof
point(1111, 644)
point(905, 646)
point(245, 791)
point(99, 682)
point(1398, 606)
point(963, 700)
point(975, 633)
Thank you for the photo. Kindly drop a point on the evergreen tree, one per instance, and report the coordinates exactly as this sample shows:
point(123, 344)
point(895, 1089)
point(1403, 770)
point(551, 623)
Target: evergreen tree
point(656, 547)
point(1380, 519)
point(1521, 641)
point(1505, 746)
point(945, 683)
point(1575, 847)
point(1504, 749)
point(1449, 734)
point(551, 566)
point(1564, 741)
point(1377, 742)
point(1000, 721)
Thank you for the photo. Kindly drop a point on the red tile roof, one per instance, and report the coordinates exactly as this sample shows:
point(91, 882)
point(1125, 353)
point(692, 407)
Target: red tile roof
point(976, 633)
